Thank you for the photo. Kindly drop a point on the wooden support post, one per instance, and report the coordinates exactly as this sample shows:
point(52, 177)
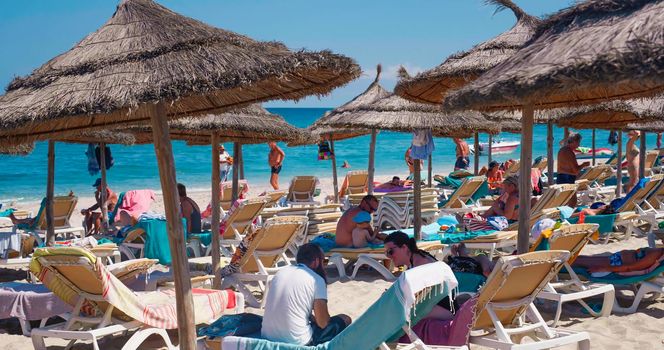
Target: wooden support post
point(642, 155)
point(525, 191)
point(183, 297)
point(594, 157)
point(335, 180)
point(565, 134)
point(430, 171)
point(477, 154)
point(549, 151)
point(619, 156)
point(490, 151)
point(216, 212)
point(50, 189)
point(241, 159)
point(104, 185)
point(372, 156)
point(417, 202)
point(236, 173)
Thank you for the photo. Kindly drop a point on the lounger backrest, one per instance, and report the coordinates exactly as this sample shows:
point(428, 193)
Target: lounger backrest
point(302, 189)
point(273, 197)
point(652, 186)
point(513, 168)
point(517, 280)
point(571, 238)
point(226, 198)
point(541, 165)
point(273, 239)
point(357, 181)
point(554, 196)
point(63, 207)
point(465, 192)
point(134, 235)
point(651, 158)
point(244, 215)
point(596, 173)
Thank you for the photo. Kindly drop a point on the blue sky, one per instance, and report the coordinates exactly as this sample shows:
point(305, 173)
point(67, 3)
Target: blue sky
point(418, 34)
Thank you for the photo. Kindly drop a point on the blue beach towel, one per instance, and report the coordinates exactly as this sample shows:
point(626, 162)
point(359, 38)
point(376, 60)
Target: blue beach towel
point(156, 239)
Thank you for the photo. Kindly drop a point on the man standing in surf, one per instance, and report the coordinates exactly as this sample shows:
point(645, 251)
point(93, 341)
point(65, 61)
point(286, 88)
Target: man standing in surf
point(462, 154)
point(275, 158)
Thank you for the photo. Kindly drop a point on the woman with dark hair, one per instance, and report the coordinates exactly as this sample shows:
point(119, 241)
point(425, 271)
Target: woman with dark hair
point(403, 251)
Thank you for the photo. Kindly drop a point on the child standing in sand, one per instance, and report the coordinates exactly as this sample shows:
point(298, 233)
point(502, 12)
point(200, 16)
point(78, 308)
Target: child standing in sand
point(362, 233)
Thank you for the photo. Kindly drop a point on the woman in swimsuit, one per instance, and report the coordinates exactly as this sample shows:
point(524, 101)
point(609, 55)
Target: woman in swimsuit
point(622, 261)
point(632, 159)
point(507, 204)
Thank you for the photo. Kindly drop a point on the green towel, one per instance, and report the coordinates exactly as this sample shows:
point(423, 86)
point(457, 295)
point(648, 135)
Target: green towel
point(156, 240)
point(605, 221)
point(111, 215)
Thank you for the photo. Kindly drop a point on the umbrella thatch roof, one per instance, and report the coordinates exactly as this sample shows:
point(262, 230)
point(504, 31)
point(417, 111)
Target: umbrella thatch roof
point(99, 136)
point(17, 150)
point(460, 68)
point(657, 126)
point(147, 53)
point(251, 124)
point(374, 92)
point(394, 113)
point(595, 51)
point(614, 114)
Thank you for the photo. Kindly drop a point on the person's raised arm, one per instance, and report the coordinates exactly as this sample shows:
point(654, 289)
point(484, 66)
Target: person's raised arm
point(321, 313)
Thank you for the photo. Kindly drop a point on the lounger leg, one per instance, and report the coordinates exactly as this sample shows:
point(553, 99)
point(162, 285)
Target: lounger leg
point(377, 265)
point(646, 287)
point(38, 342)
point(337, 260)
point(139, 337)
point(25, 326)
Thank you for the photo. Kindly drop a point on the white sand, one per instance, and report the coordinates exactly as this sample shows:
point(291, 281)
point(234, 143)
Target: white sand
point(642, 330)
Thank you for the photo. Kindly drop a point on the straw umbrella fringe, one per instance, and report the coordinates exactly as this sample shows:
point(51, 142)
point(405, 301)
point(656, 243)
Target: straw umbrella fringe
point(592, 52)
point(460, 68)
point(613, 114)
point(146, 53)
point(17, 150)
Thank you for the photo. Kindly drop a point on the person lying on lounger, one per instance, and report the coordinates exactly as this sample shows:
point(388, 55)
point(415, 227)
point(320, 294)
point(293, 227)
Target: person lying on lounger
point(395, 183)
point(622, 261)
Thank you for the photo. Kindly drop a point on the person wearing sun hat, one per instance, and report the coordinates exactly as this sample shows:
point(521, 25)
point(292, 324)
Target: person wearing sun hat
point(507, 204)
point(92, 219)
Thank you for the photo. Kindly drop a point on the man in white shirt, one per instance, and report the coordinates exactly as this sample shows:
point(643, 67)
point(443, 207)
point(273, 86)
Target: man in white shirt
point(224, 163)
point(296, 306)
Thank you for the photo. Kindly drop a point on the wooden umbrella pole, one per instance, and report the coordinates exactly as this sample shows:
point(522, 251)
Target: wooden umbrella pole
point(490, 151)
point(50, 188)
point(236, 173)
point(593, 161)
point(549, 151)
point(417, 202)
point(216, 212)
point(335, 180)
point(642, 155)
point(619, 166)
point(239, 152)
point(372, 156)
point(430, 171)
point(565, 133)
point(183, 297)
point(525, 191)
point(104, 186)
point(477, 154)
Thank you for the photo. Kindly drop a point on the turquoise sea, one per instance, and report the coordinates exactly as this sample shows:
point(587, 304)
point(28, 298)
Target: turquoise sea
point(23, 178)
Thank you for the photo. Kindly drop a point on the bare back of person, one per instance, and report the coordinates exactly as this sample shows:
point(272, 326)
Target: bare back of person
point(567, 163)
point(345, 227)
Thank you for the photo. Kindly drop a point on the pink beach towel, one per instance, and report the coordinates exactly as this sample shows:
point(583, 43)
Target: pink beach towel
point(137, 202)
point(454, 332)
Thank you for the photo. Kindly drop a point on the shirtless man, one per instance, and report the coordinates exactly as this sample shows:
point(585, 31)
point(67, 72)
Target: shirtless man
point(348, 222)
point(92, 218)
point(462, 153)
point(275, 158)
point(190, 210)
point(568, 167)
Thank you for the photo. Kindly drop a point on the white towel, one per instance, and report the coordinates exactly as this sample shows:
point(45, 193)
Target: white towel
point(417, 279)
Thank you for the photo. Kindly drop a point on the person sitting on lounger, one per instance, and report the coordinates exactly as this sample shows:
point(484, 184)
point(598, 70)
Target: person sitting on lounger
point(395, 183)
point(622, 261)
point(92, 220)
point(347, 223)
point(403, 251)
point(296, 309)
point(507, 204)
point(190, 210)
point(494, 176)
point(363, 234)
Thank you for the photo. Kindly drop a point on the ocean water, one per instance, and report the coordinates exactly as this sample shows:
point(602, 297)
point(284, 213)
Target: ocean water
point(23, 178)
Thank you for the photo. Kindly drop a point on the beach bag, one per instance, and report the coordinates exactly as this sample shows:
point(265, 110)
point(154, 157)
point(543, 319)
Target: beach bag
point(324, 150)
point(474, 222)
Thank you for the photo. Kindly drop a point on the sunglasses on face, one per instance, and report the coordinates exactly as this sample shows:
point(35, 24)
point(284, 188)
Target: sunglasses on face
point(389, 252)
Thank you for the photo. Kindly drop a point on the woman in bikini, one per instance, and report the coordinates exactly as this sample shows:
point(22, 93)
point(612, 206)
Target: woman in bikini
point(632, 159)
point(507, 204)
point(622, 261)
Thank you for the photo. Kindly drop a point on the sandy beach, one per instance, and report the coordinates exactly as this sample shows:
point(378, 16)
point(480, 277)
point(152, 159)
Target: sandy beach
point(619, 331)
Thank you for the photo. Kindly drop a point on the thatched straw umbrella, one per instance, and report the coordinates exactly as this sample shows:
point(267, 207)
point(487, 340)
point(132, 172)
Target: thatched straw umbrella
point(17, 150)
point(461, 68)
point(321, 127)
point(595, 51)
point(246, 125)
point(395, 113)
point(148, 63)
point(617, 115)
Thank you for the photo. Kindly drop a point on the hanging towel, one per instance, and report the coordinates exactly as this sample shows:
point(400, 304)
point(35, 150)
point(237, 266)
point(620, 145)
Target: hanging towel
point(137, 202)
point(93, 166)
point(109, 157)
point(422, 145)
point(324, 150)
point(613, 138)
